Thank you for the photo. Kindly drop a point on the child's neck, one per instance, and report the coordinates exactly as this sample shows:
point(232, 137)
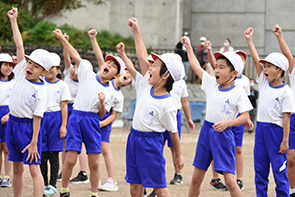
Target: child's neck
point(227, 85)
point(102, 80)
point(160, 90)
point(276, 82)
point(4, 78)
point(117, 83)
point(52, 79)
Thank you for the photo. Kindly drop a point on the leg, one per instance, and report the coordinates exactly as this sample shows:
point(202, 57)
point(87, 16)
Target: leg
point(177, 180)
point(81, 177)
point(239, 162)
point(216, 182)
point(17, 181)
point(37, 180)
point(93, 163)
point(197, 179)
point(108, 158)
point(1, 149)
point(162, 192)
point(6, 162)
point(71, 159)
point(54, 167)
point(136, 190)
point(231, 184)
point(215, 174)
point(44, 166)
point(291, 168)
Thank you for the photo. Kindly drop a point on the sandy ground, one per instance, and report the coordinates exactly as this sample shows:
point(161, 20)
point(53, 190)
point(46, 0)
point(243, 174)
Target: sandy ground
point(188, 144)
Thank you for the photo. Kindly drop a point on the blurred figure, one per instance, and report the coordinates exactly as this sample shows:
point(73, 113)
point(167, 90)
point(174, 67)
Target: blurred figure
point(202, 56)
point(181, 50)
point(253, 97)
point(226, 46)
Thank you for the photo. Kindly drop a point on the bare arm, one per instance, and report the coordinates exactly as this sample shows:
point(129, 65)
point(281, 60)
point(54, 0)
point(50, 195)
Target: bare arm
point(277, 31)
point(64, 119)
point(141, 51)
point(187, 113)
point(67, 58)
point(192, 58)
point(128, 63)
point(97, 51)
point(20, 51)
point(101, 109)
point(109, 119)
point(248, 35)
point(176, 143)
point(211, 57)
point(286, 127)
point(222, 125)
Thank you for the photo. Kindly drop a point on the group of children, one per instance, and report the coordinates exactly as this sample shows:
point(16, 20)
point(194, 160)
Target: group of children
point(42, 115)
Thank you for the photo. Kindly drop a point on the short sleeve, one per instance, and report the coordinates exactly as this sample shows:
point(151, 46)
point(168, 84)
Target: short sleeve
point(208, 81)
point(169, 121)
point(65, 96)
point(84, 70)
point(19, 69)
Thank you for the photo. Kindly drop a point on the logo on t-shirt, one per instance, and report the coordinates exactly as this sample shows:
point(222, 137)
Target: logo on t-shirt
point(276, 103)
point(149, 116)
point(226, 106)
point(32, 99)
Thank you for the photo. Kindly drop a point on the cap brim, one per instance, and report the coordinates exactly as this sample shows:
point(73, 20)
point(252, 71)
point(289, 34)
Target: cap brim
point(218, 54)
point(108, 57)
point(242, 53)
point(155, 56)
point(28, 57)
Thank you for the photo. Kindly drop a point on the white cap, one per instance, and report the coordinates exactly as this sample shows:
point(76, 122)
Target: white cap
point(55, 59)
point(276, 59)
point(243, 53)
point(5, 57)
point(41, 57)
point(234, 59)
point(150, 58)
point(203, 38)
point(119, 61)
point(173, 63)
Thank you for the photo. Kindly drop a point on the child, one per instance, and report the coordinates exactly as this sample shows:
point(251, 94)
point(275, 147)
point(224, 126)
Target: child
point(117, 101)
point(6, 81)
point(145, 163)
point(27, 104)
point(273, 120)
point(54, 124)
point(277, 31)
point(216, 140)
point(83, 124)
point(243, 82)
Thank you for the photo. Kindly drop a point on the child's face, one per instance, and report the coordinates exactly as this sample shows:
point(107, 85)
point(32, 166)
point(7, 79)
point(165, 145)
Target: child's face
point(154, 71)
point(73, 74)
point(6, 69)
point(271, 71)
point(125, 78)
point(52, 72)
point(109, 69)
point(34, 71)
point(222, 72)
point(243, 59)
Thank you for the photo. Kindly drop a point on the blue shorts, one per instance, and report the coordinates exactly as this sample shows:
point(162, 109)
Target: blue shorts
point(19, 136)
point(83, 127)
point(70, 109)
point(166, 134)
point(145, 163)
point(268, 138)
point(50, 126)
point(292, 132)
point(219, 147)
point(238, 133)
point(4, 109)
point(106, 130)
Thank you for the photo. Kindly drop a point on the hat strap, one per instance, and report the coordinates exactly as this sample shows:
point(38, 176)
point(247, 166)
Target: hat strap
point(228, 81)
point(161, 78)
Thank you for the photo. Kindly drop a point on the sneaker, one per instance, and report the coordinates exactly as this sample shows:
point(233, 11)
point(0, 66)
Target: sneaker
point(144, 192)
point(66, 194)
point(6, 182)
point(240, 184)
point(80, 178)
point(177, 180)
point(153, 194)
point(52, 188)
point(110, 185)
point(48, 192)
point(217, 184)
point(59, 177)
point(292, 195)
point(99, 185)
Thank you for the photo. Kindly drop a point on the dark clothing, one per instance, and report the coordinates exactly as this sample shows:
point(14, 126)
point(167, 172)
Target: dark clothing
point(180, 50)
point(202, 55)
point(253, 97)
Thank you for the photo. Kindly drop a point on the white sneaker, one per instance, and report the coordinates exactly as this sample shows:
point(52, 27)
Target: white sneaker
point(110, 185)
point(99, 185)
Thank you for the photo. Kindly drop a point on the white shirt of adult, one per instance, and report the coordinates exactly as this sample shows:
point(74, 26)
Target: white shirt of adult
point(73, 84)
point(28, 98)
point(223, 104)
point(5, 91)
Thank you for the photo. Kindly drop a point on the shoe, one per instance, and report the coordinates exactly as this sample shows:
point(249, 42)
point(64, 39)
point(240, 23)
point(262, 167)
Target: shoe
point(217, 184)
point(80, 178)
point(66, 194)
point(177, 180)
point(48, 192)
point(59, 177)
point(52, 188)
point(153, 194)
point(292, 195)
point(110, 185)
point(144, 192)
point(241, 184)
point(6, 182)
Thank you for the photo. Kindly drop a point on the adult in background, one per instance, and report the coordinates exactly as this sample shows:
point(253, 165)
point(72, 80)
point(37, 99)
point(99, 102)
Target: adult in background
point(181, 50)
point(202, 56)
point(226, 46)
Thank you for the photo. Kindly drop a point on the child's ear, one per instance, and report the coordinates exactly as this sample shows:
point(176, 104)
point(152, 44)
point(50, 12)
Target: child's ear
point(166, 75)
point(235, 73)
point(44, 73)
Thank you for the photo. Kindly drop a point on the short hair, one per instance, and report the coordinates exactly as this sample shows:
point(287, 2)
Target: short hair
point(228, 40)
point(10, 76)
point(170, 80)
point(232, 68)
point(283, 72)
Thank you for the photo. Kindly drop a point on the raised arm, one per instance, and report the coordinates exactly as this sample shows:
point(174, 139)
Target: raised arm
point(277, 31)
point(211, 57)
point(141, 51)
point(192, 58)
point(67, 58)
point(68, 47)
point(128, 63)
point(97, 51)
point(248, 35)
point(20, 51)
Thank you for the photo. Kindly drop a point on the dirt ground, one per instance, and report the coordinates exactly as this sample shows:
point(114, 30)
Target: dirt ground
point(188, 144)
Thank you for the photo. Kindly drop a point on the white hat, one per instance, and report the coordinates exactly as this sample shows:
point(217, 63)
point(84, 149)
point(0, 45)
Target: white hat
point(234, 59)
point(5, 57)
point(55, 59)
point(119, 61)
point(203, 38)
point(173, 63)
point(276, 59)
point(243, 53)
point(150, 58)
point(41, 57)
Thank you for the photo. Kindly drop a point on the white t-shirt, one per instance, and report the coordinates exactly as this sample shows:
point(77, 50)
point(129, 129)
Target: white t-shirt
point(57, 92)
point(244, 83)
point(274, 101)
point(179, 90)
point(5, 91)
point(117, 100)
point(223, 104)
point(73, 84)
point(292, 80)
point(27, 97)
point(137, 84)
point(154, 113)
point(89, 87)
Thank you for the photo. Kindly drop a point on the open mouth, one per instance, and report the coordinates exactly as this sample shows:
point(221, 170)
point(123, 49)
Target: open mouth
point(29, 73)
point(217, 77)
point(105, 71)
point(124, 78)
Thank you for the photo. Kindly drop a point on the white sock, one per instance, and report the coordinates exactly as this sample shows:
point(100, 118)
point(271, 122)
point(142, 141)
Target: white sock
point(292, 191)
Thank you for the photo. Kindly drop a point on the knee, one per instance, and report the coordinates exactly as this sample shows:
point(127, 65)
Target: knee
point(291, 161)
point(17, 170)
point(136, 190)
point(5, 150)
point(34, 170)
point(239, 150)
point(230, 184)
point(70, 162)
